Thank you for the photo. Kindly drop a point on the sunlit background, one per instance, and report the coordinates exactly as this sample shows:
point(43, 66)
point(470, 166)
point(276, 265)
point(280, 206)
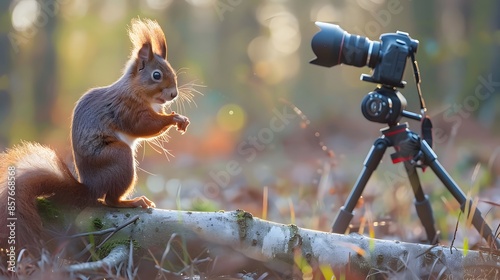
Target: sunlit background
point(268, 127)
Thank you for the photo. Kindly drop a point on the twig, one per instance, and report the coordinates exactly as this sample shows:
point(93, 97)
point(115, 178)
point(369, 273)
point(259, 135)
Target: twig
point(130, 273)
point(108, 230)
point(427, 251)
point(112, 231)
point(118, 228)
point(455, 233)
point(497, 232)
point(115, 257)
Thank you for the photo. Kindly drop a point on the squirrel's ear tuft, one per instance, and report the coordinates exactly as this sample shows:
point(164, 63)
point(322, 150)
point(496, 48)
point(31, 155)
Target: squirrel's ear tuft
point(145, 52)
point(159, 41)
point(148, 32)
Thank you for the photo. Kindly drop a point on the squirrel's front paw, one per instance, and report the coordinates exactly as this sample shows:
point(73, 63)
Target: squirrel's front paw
point(182, 122)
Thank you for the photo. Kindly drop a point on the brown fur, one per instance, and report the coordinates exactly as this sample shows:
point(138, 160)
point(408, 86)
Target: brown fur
point(106, 123)
point(148, 32)
point(38, 172)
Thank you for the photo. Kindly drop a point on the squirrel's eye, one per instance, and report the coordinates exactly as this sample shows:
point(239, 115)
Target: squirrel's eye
point(156, 75)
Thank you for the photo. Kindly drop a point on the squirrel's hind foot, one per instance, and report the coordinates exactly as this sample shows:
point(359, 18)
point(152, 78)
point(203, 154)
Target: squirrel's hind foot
point(141, 201)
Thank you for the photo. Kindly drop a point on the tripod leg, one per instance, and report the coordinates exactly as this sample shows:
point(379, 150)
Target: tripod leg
point(371, 162)
point(477, 220)
point(422, 204)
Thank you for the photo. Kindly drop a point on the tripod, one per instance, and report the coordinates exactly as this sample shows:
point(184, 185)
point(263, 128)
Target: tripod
point(413, 152)
point(333, 46)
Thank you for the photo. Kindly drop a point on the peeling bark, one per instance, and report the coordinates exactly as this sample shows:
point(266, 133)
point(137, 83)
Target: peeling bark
point(292, 250)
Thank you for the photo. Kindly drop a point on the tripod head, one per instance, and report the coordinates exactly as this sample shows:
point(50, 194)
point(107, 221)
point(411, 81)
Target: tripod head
point(383, 105)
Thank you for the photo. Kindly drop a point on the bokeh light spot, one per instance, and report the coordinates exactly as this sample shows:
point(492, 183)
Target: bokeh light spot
point(231, 117)
point(158, 4)
point(24, 14)
point(202, 3)
point(155, 183)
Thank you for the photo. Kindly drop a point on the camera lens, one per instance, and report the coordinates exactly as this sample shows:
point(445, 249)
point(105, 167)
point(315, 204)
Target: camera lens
point(332, 46)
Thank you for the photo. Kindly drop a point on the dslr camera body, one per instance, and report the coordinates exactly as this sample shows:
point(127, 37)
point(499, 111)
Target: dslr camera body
point(332, 46)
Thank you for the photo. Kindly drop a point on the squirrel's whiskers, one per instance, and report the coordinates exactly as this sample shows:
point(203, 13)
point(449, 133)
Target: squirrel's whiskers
point(187, 92)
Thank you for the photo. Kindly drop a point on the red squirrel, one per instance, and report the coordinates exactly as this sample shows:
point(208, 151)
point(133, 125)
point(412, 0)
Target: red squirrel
point(107, 124)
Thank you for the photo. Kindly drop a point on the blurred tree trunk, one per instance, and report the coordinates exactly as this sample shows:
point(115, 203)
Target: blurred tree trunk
point(452, 26)
point(33, 74)
point(45, 69)
point(489, 111)
point(5, 64)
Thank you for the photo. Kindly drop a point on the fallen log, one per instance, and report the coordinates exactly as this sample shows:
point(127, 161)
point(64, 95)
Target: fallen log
point(291, 251)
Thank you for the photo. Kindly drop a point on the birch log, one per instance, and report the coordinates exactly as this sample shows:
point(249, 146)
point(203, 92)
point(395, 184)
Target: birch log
point(292, 250)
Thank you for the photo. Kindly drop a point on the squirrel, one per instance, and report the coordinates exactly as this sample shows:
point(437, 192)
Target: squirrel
point(107, 124)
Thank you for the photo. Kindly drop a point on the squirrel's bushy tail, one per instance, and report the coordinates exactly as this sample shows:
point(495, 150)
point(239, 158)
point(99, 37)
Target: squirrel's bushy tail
point(29, 171)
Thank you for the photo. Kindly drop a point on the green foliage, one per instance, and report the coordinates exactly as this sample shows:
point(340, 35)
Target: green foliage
point(48, 211)
point(204, 205)
point(98, 225)
point(106, 248)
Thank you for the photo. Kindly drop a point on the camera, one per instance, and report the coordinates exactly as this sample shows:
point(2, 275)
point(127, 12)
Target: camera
point(332, 46)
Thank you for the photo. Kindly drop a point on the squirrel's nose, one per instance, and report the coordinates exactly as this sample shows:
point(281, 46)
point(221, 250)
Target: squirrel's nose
point(170, 93)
